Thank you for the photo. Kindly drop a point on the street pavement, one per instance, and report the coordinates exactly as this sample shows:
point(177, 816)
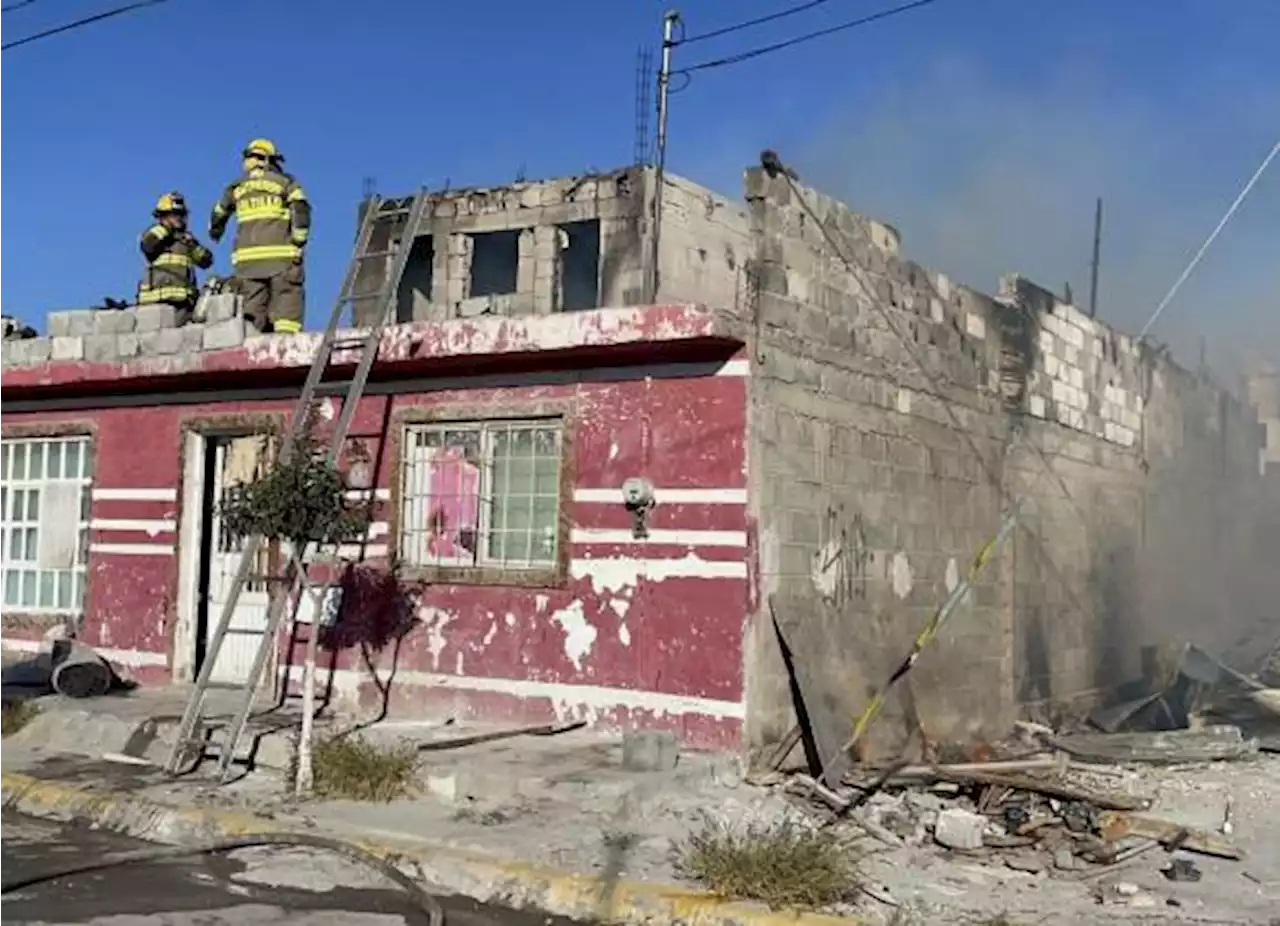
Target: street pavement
point(280, 887)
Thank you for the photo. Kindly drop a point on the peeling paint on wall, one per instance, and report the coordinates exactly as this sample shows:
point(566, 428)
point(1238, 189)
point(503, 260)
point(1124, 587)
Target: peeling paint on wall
point(579, 634)
point(900, 572)
point(435, 620)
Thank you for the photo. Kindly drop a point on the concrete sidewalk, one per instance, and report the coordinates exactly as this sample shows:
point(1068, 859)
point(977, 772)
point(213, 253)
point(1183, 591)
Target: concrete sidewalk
point(536, 820)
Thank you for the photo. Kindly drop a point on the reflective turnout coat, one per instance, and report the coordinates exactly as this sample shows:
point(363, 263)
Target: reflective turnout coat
point(172, 258)
point(272, 217)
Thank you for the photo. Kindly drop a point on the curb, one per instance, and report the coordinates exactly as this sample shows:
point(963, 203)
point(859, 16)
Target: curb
point(450, 870)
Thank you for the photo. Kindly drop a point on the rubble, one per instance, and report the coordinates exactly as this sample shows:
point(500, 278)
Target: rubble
point(957, 828)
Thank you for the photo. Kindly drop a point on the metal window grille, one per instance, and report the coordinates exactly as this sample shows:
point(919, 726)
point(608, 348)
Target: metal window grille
point(481, 494)
point(36, 477)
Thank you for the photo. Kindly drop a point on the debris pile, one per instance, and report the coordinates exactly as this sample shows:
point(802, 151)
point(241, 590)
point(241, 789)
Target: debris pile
point(1070, 803)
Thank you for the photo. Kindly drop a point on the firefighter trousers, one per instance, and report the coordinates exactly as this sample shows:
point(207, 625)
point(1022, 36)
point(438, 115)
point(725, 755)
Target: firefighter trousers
point(275, 303)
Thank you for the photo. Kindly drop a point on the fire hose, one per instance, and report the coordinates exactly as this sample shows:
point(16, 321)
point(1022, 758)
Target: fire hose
point(429, 905)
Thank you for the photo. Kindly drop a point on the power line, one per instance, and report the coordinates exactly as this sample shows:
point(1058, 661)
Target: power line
point(56, 30)
point(1248, 187)
point(10, 7)
point(830, 30)
point(761, 20)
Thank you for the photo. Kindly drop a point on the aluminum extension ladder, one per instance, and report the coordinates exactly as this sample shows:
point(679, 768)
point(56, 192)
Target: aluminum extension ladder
point(373, 243)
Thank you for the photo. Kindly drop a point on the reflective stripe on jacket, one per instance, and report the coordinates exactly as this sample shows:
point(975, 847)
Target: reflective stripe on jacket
point(272, 217)
point(172, 258)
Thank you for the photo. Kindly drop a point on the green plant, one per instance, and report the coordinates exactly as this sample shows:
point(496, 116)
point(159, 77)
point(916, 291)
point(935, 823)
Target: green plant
point(781, 864)
point(357, 769)
point(16, 715)
point(300, 500)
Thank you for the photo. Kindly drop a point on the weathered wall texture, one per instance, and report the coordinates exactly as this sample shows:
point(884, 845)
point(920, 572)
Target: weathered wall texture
point(636, 633)
point(874, 484)
point(534, 248)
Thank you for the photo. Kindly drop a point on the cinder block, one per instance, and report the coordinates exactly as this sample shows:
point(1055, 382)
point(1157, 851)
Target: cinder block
point(26, 351)
point(164, 342)
point(220, 307)
point(73, 324)
point(224, 334)
point(66, 348)
point(156, 316)
point(126, 346)
point(114, 321)
point(100, 348)
point(190, 339)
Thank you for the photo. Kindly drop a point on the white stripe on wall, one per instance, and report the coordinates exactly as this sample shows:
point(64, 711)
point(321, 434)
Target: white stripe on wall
point(361, 495)
point(667, 496)
point(735, 368)
point(617, 571)
point(132, 549)
point(151, 526)
point(125, 657)
point(691, 538)
point(563, 696)
point(135, 495)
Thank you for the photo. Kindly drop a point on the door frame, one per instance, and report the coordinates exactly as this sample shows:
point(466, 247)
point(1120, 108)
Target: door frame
point(198, 452)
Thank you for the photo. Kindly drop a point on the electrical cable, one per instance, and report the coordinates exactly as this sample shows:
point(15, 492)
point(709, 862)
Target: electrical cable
point(1248, 187)
point(830, 30)
point(758, 21)
point(430, 906)
point(76, 24)
point(9, 8)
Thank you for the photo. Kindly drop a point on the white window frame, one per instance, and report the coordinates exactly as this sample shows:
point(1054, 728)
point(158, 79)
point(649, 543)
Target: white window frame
point(22, 484)
point(488, 430)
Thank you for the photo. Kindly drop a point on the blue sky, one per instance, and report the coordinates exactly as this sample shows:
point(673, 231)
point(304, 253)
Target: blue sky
point(983, 129)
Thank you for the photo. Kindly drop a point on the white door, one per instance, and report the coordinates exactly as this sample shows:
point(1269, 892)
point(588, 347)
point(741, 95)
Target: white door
point(237, 460)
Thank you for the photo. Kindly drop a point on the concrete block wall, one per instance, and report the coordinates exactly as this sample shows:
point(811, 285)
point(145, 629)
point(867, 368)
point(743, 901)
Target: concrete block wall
point(871, 494)
point(535, 209)
point(704, 246)
point(113, 335)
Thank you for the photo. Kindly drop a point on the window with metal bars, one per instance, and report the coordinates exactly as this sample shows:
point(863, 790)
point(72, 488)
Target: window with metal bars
point(44, 528)
point(482, 493)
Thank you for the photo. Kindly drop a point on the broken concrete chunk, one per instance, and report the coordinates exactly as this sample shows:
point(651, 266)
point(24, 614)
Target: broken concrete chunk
point(959, 829)
point(160, 343)
point(218, 307)
point(650, 751)
point(100, 348)
point(116, 321)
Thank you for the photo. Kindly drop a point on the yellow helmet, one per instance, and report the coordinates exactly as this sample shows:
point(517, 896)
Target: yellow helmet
point(262, 148)
point(170, 203)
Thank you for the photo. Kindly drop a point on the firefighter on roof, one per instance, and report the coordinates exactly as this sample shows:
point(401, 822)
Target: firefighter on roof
point(172, 254)
point(273, 218)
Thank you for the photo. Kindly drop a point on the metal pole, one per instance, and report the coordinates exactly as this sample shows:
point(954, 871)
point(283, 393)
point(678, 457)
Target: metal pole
point(669, 21)
point(1097, 251)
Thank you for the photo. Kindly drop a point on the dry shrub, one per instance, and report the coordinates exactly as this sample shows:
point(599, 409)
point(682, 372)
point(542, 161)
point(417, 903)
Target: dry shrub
point(17, 714)
point(357, 769)
point(782, 864)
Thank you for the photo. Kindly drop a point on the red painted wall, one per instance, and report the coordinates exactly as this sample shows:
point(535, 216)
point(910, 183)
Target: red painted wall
point(503, 653)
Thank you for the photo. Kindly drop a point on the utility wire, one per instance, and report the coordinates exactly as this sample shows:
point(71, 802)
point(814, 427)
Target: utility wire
point(1248, 187)
point(830, 30)
point(56, 30)
point(10, 7)
point(758, 21)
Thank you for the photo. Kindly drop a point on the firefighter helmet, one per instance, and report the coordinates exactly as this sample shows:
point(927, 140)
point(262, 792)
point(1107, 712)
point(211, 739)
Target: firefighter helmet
point(262, 148)
point(171, 204)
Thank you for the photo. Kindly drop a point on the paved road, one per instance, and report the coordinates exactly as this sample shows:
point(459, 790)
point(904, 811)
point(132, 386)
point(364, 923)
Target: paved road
point(280, 887)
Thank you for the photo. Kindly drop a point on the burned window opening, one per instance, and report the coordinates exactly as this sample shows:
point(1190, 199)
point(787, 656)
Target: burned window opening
point(495, 263)
point(414, 294)
point(580, 266)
